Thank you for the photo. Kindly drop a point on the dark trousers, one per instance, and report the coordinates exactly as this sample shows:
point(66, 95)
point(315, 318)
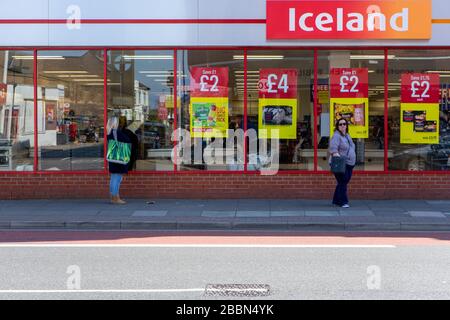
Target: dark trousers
point(340, 194)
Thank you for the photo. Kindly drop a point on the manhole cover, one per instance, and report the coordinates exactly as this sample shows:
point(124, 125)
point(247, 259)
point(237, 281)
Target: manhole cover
point(241, 290)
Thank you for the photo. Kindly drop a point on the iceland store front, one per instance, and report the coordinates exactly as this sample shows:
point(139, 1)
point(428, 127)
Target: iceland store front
point(191, 76)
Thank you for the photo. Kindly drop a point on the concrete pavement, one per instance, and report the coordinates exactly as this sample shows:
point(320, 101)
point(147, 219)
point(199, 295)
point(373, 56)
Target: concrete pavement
point(284, 215)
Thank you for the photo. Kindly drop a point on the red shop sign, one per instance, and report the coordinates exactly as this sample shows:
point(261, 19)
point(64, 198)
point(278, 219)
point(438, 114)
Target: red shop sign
point(209, 82)
point(278, 83)
point(420, 88)
point(349, 83)
point(348, 19)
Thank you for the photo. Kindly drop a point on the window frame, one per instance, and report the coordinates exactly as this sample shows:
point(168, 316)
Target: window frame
point(245, 49)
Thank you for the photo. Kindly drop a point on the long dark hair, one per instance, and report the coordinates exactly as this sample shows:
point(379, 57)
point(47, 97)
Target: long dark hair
point(336, 126)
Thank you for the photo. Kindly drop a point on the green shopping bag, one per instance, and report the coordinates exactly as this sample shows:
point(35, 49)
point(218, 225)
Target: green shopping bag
point(118, 152)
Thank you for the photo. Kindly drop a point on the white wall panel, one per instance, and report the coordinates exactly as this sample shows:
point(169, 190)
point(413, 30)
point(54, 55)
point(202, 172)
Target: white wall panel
point(232, 9)
point(25, 35)
point(127, 9)
point(24, 9)
point(125, 35)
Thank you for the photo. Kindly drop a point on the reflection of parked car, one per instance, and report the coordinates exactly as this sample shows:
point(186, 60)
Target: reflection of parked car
point(426, 157)
point(151, 135)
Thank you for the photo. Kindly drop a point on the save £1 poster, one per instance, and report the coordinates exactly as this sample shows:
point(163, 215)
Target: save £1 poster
point(208, 107)
point(349, 92)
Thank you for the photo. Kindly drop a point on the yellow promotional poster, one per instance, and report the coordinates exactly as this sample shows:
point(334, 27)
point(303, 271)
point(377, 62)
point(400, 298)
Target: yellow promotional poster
point(355, 111)
point(209, 117)
point(169, 101)
point(278, 114)
point(419, 123)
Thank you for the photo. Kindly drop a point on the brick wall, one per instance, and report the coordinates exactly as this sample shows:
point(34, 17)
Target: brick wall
point(214, 186)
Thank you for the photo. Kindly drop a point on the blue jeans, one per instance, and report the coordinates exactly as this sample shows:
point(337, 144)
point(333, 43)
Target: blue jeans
point(114, 184)
point(340, 194)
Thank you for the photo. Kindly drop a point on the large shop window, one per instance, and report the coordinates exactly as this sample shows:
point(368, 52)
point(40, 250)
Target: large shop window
point(210, 87)
point(351, 86)
point(16, 111)
point(419, 110)
point(140, 93)
point(280, 99)
point(70, 110)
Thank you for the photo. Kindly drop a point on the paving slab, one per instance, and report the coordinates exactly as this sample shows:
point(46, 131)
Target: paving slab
point(311, 226)
point(219, 214)
point(425, 226)
point(143, 225)
point(252, 214)
point(294, 213)
point(355, 213)
point(37, 225)
point(438, 202)
point(373, 226)
point(100, 225)
point(149, 213)
point(204, 225)
point(426, 214)
point(318, 213)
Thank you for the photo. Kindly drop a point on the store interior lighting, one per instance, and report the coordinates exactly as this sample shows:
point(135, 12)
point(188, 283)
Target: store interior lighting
point(259, 57)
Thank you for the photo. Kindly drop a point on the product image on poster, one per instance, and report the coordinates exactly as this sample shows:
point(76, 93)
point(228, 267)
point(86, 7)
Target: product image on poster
point(353, 113)
point(419, 123)
point(408, 116)
point(204, 114)
point(277, 115)
point(209, 117)
point(430, 126)
point(277, 118)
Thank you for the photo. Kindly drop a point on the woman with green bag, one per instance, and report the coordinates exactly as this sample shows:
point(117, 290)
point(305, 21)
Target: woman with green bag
point(118, 156)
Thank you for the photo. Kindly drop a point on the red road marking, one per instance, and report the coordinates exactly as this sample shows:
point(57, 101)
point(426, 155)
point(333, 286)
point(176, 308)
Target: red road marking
point(223, 238)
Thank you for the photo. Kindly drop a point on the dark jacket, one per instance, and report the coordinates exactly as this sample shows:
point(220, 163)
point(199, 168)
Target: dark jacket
point(134, 148)
point(117, 167)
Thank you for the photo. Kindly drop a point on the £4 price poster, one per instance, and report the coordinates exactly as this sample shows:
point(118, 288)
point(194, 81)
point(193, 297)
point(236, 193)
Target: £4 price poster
point(277, 103)
point(419, 111)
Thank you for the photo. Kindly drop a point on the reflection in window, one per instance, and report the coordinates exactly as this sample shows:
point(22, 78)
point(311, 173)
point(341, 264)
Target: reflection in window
point(211, 102)
point(369, 151)
point(70, 110)
point(419, 155)
point(16, 111)
point(290, 110)
point(141, 94)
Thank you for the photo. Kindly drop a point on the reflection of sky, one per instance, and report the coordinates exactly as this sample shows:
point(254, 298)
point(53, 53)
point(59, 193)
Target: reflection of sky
point(156, 88)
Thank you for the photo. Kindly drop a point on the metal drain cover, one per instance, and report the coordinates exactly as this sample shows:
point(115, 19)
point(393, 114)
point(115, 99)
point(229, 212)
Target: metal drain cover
point(240, 290)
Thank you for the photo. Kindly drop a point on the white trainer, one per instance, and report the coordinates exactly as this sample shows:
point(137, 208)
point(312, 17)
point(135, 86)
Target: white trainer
point(345, 206)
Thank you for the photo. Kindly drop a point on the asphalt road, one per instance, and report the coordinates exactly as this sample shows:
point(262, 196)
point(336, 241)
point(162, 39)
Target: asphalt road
point(180, 267)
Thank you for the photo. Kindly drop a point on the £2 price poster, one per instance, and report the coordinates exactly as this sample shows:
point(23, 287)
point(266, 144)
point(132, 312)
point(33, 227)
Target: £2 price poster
point(208, 107)
point(277, 106)
point(349, 99)
point(419, 118)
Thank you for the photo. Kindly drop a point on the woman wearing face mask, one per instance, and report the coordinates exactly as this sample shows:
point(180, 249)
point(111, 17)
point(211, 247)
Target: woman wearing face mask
point(341, 145)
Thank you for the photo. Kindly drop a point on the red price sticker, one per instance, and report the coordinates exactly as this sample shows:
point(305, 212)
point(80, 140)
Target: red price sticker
point(420, 88)
point(278, 83)
point(209, 82)
point(349, 83)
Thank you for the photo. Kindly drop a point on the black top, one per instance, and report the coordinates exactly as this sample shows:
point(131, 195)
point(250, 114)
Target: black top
point(134, 147)
point(117, 167)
